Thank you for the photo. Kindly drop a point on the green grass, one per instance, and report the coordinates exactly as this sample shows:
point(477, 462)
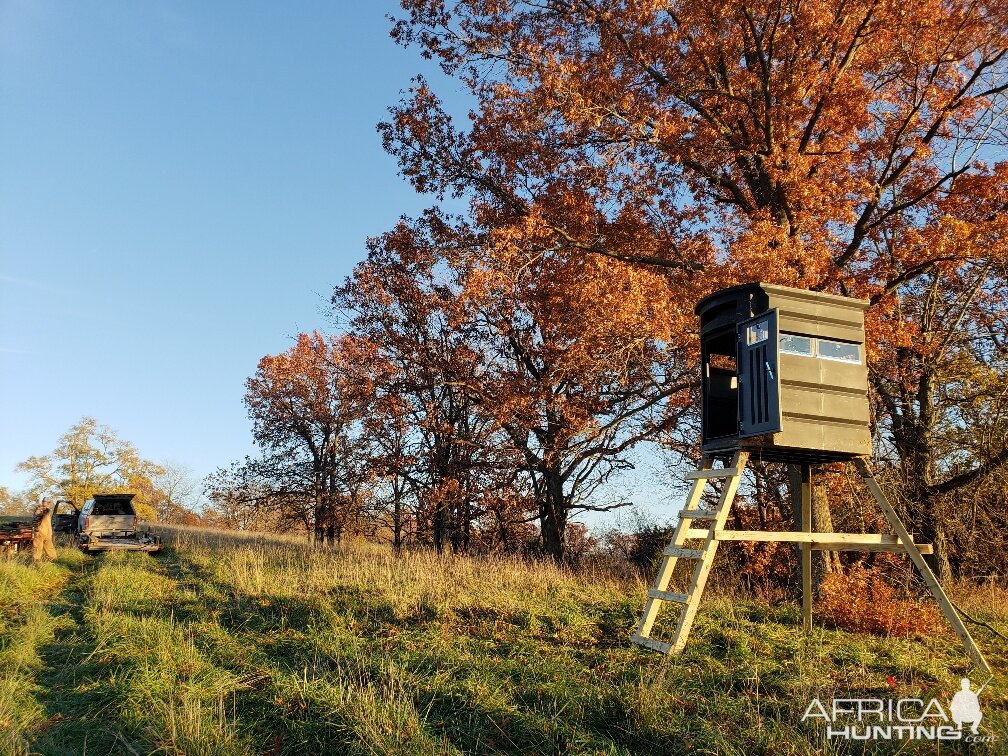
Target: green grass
point(238, 646)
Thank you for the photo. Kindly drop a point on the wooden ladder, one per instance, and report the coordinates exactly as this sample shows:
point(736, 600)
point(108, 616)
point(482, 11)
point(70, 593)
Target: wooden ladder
point(711, 523)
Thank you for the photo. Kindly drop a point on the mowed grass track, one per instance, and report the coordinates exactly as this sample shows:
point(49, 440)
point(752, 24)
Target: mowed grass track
point(231, 646)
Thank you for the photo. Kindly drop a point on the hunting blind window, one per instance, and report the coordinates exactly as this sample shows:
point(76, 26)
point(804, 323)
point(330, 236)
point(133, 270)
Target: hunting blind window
point(793, 344)
point(759, 332)
point(839, 350)
point(826, 349)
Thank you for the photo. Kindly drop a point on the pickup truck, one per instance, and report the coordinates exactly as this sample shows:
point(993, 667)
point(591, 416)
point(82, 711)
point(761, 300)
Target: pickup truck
point(109, 522)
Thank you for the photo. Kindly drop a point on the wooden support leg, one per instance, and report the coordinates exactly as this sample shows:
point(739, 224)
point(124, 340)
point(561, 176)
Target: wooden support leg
point(806, 548)
point(915, 556)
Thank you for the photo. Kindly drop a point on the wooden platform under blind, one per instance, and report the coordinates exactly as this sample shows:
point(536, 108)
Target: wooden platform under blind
point(699, 532)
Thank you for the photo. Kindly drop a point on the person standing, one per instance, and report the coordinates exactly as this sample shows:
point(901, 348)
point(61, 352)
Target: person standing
point(43, 535)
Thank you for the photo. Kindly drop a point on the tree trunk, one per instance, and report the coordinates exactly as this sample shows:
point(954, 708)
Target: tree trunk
point(553, 514)
point(320, 517)
point(459, 539)
point(823, 562)
point(933, 532)
point(397, 520)
point(438, 527)
point(917, 452)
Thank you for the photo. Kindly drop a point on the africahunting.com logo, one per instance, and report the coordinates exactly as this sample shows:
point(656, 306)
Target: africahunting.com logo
point(902, 718)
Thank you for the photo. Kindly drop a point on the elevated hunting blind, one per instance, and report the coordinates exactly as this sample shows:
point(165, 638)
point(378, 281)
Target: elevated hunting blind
point(783, 379)
point(784, 374)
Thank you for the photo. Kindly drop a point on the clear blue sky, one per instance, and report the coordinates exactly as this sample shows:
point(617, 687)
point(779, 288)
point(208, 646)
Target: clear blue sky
point(181, 185)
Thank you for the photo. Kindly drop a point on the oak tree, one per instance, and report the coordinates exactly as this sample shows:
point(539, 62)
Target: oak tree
point(307, 428)
point(855, 147)
point(432, 440)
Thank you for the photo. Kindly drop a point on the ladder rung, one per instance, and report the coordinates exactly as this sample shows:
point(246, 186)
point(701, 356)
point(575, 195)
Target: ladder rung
point(698, 514)
point(694, 533)
point(680, 552)
point(651, 643)
point(679, 598)
point(723, 472)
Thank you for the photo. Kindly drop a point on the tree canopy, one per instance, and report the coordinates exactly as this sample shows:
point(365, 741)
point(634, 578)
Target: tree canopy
point(827, 145)
point(88, 459)
point(851, 147)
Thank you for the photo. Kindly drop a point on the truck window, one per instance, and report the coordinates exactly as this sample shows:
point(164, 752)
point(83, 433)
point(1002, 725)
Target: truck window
point(113, 507)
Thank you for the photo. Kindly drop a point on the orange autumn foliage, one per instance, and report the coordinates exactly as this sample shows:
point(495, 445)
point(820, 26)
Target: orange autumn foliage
point(303, 403)
point(807, 144)
point(544, 369)
point(853, 147)
point(863, 600)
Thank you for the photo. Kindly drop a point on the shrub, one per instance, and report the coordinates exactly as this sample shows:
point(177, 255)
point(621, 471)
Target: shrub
point(862, 599)
point(638, 540)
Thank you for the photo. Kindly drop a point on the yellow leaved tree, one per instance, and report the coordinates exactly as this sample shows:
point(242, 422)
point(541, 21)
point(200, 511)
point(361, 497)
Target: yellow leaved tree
point(88, 459)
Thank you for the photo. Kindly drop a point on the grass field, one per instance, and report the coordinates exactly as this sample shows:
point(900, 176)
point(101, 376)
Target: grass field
point(240, 646)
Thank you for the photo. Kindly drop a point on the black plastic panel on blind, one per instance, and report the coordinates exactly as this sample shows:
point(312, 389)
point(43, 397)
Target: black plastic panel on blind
point(759, 379)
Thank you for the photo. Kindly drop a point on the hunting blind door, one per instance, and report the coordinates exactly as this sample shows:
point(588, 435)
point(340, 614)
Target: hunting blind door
point(759, 376)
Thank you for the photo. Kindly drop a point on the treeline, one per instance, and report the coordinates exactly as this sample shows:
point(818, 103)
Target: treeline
point(458, 412)
point(492, 368)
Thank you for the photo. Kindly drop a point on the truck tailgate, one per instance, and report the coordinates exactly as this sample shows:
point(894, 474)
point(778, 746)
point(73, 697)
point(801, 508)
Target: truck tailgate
point(135, 542)
point(111, 524)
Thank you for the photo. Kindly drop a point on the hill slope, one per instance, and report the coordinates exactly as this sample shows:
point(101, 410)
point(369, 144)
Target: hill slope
point(224, 646)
